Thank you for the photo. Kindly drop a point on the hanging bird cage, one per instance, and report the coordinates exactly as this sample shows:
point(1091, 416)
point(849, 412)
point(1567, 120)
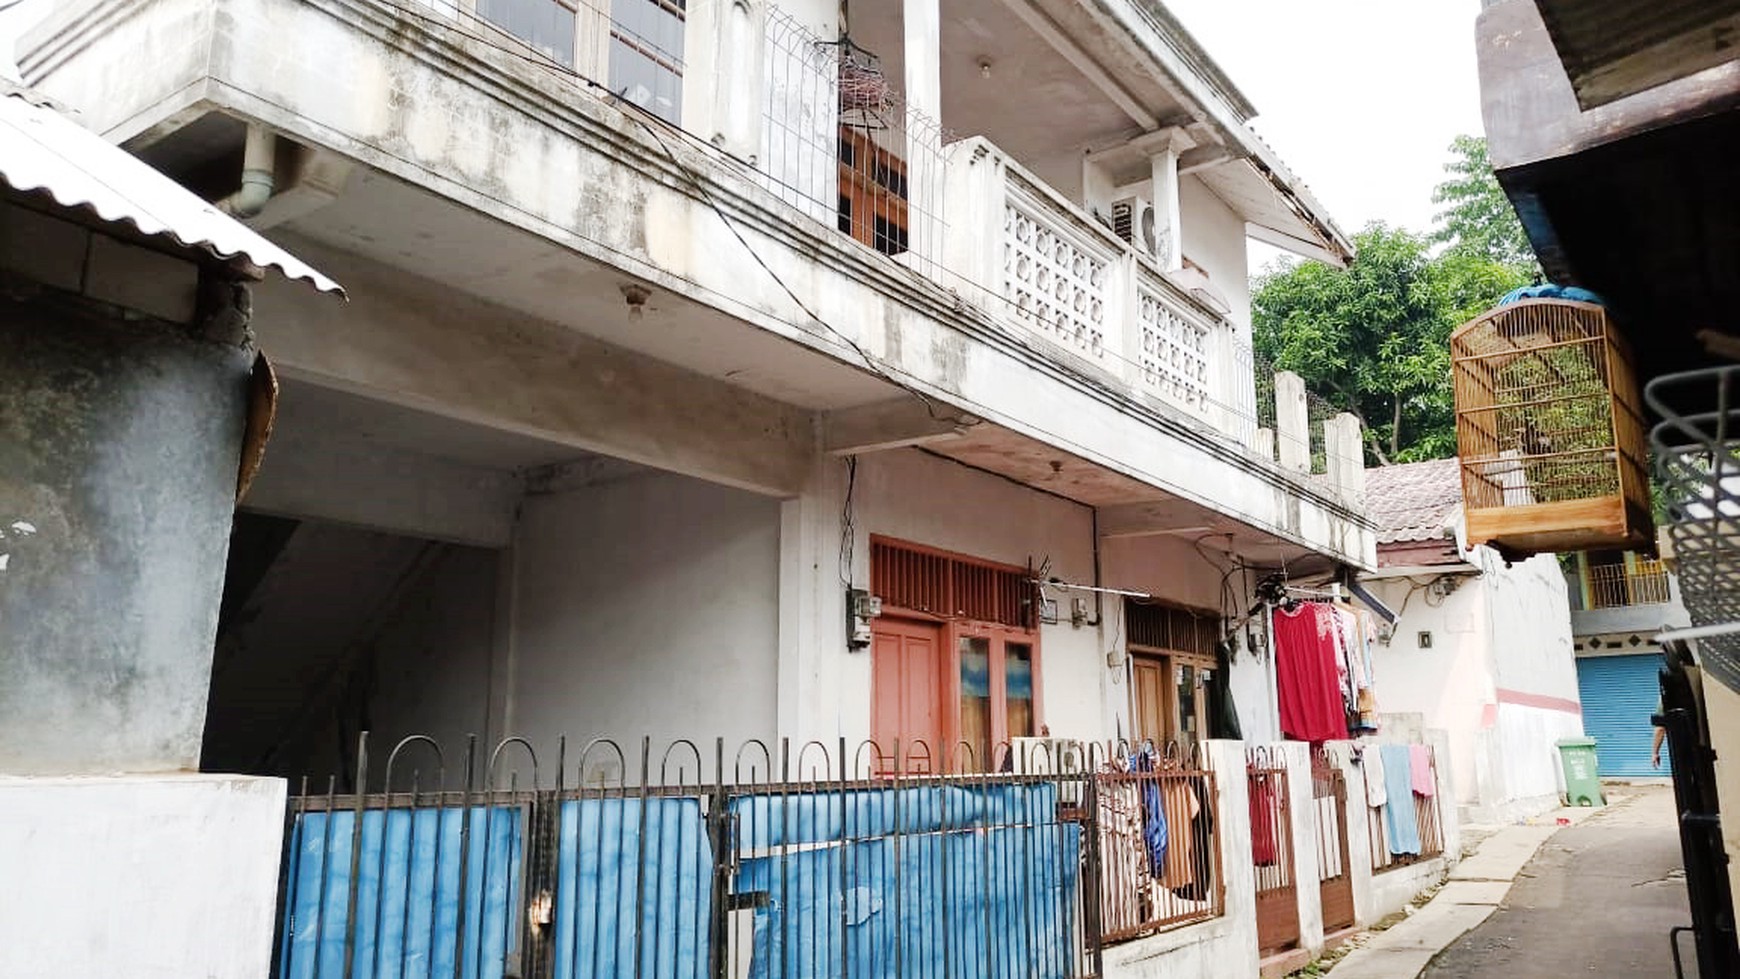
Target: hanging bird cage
point(1549, 430)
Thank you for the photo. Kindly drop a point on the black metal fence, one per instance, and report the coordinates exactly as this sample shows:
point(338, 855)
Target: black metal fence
point(767, 861)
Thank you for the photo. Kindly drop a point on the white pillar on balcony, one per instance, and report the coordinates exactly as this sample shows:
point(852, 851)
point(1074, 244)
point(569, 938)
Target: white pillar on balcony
point(1292, 422)
point(921, 22)
point(722, 73)
point(1346, 462)
point(1162, 149)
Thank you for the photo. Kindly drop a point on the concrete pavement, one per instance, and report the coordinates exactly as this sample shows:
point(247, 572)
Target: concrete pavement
point(1477, 902)
point(1597, 900)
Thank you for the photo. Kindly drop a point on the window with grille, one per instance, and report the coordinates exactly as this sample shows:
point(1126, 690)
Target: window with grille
point(950, 586)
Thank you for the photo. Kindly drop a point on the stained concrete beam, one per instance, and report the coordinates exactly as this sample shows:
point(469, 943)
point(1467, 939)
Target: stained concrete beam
point(423, 344)
point(891, 425)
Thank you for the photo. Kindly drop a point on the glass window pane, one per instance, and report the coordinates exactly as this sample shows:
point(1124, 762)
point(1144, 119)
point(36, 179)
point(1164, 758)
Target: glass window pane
point(1018, 673)
point(1187, 726)
point(976, 697)
point(546, 25)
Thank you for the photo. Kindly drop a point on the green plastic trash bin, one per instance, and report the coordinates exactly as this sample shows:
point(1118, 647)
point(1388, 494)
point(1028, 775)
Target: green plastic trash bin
point(1582, 784)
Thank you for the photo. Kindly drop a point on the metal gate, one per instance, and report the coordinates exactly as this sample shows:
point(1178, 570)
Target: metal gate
point(1329, 795)
point(1272, 850)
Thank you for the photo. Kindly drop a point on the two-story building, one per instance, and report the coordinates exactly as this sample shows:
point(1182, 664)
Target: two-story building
point(828, 373)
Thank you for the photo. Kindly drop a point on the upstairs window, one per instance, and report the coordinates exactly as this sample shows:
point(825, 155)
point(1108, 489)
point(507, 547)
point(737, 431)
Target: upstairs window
point(646, 54)
point(548, 26)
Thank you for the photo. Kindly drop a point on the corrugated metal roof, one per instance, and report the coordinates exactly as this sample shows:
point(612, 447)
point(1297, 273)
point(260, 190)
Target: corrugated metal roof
point(43, 151)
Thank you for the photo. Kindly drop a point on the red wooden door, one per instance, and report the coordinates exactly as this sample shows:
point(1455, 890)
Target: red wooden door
point(906, 694)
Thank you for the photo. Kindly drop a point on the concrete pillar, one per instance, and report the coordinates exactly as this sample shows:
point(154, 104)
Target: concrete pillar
point(1163, 149)
point(723, 69)
point(1346, 455)
point(921, 22)
point(1292, 422)
point(119, 445)
point(1302, 826)
point(1264, 443)
point(1358, 833)
point(1226, 759)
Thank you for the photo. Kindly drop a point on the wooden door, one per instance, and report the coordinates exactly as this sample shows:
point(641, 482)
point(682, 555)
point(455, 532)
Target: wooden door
point(906, 694)
point(1150, 685)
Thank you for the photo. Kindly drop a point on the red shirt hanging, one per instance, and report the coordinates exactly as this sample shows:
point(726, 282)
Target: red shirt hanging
point(1306, 674)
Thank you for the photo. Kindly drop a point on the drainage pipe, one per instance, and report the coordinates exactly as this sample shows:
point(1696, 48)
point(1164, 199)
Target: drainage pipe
point(259, 174)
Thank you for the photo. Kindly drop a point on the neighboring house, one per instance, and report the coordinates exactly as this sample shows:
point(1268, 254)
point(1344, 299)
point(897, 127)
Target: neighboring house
point(700, 383)
point(1480, 648)
point(1619, 603)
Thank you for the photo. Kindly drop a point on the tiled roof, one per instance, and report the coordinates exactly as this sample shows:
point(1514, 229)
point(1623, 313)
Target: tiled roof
point(1411, 502)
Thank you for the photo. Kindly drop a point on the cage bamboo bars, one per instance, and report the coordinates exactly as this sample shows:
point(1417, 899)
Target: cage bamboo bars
point(1549, 430)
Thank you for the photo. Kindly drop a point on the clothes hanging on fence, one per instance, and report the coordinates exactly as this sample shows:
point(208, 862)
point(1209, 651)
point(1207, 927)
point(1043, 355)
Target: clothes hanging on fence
point(1182, 811)
point(1306, 674)
point(1154, 835)
point(1265, 811)
point(1420, 765)
point(1400, 819)
point(1200, 884)
point(1123, 852)
point(1376, 791)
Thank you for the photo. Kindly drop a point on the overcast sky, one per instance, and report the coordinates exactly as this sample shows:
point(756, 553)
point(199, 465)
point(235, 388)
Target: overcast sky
point(1360, 97)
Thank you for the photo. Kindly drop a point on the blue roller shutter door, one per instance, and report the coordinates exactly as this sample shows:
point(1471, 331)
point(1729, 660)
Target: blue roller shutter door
point(1619, 694)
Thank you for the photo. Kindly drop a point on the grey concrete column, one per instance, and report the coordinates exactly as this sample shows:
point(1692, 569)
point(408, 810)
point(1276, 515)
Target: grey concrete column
point(1292, 422)
point(1346, 456)
point(119, 442)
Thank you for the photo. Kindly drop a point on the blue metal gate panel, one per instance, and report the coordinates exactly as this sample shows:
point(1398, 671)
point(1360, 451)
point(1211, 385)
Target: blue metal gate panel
point(613, 854)
point(1619, 694)
point(409, 902)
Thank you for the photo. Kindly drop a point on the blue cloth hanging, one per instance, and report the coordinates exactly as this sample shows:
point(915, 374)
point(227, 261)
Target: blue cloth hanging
point(1154, 829)
point(1547, 290)
point(1399, 815)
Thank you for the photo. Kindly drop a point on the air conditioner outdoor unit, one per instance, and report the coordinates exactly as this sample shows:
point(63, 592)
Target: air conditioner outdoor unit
point(1133, 221)
point(1052, 756)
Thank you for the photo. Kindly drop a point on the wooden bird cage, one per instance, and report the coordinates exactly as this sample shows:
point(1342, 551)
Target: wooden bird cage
point(1549, 430)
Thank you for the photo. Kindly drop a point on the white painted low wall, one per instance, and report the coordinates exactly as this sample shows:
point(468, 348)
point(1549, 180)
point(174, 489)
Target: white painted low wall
point(1225, 948)
point(171, 876)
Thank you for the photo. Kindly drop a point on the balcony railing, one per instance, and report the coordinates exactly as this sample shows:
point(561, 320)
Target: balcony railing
point(1617, 586)
point(1034, 259)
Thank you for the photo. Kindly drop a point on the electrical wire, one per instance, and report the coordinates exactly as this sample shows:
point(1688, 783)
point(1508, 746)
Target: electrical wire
point(848, 524)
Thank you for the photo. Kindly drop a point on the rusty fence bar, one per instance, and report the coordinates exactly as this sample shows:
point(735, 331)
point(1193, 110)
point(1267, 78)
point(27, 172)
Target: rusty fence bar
point(1159, 839)
point(695, 861)
point(1426, 810)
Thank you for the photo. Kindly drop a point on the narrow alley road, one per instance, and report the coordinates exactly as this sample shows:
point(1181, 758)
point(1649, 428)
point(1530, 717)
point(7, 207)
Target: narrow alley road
point(1597, 900)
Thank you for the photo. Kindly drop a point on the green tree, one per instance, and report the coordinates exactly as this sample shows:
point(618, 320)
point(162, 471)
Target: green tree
point(1475, 218)
point(1374, 338)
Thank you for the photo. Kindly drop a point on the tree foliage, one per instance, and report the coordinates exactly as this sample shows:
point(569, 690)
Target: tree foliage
point(1374, 338)
point(1475, 218)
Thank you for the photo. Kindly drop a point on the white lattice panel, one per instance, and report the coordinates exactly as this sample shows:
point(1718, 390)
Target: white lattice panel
point(1058, 287)
point(1174, 353)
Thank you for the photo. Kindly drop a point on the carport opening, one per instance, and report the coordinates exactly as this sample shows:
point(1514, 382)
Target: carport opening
point(328, 630)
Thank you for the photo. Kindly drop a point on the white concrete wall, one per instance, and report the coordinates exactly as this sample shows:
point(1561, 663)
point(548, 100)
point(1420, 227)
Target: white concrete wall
point(913, 496)
point(149, 877)
point(1214, 238)
point(1225, 948)
point(1450, 683)
point(646, 606)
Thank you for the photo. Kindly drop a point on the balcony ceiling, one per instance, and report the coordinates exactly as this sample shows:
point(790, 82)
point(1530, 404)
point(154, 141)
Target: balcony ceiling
point(1037, 104)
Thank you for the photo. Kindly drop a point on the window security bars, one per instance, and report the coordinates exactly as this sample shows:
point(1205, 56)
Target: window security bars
point(765, 862)
point(1617, 586)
